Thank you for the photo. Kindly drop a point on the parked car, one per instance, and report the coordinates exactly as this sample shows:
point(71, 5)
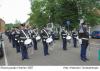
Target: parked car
point(1, 47)
point(95, 34)
point(56, 34)
point(55, 28)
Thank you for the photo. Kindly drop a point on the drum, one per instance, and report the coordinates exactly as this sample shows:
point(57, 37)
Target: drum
point(68, 37)
point(49, 40)
point(80, 41)
point(77, 38)
point(38, 38)
point(27, 41)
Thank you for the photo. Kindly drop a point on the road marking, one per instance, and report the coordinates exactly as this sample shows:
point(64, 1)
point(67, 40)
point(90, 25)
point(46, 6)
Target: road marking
point(5, 57)
point(95, 44)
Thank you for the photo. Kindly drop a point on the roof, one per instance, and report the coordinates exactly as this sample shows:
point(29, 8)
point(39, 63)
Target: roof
point(1, 20)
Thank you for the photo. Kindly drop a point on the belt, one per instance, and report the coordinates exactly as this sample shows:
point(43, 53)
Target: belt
point(63, 34)
point(64, 37)
point(85, 38)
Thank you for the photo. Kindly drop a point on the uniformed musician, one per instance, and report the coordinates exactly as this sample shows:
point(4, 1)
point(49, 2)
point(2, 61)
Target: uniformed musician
point(13, 38)
point(74, 36)
point(17, 36)
point(84, 36)
point(33, 35)
point(53, 36)
point(64, 35)
point(45, 44)
point(22, 45)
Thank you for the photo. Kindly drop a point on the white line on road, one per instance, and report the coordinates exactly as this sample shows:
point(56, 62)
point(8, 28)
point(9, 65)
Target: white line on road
point(5, 57)
point(95, 44)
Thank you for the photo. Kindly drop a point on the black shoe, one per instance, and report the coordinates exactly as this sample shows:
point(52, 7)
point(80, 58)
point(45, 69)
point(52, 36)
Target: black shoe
point(35, 49)
point(45, 54)
point(64, 49)
point(83, 59)
point(48, 54)
point(22, 58)
point(87, 59)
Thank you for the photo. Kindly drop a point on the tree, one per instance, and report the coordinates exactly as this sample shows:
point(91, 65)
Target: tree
point(55, 11)
point(87, 9)
point(58, 11)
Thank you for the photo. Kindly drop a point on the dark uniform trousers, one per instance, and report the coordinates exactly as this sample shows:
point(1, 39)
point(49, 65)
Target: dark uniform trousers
point(74, 39)
point(35, 44)
point(64, 44)
point(84, 46)
point(45, 45)
point(17, 46)
point(24, 51)
point(13, 42)
point(63, 34)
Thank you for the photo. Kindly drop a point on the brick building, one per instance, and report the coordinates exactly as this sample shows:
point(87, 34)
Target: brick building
point(2, 25)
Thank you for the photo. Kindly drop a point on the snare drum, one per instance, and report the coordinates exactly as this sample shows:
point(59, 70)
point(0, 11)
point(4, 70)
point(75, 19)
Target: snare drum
point(49, 40)
point(38, 38)
point(27, 41)
point(68, 37)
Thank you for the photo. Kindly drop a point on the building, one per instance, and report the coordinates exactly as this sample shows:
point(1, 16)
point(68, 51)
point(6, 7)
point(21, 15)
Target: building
point(2, 25)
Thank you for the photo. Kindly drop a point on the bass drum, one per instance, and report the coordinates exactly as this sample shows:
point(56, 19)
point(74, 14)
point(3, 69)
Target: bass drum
point(49, 40)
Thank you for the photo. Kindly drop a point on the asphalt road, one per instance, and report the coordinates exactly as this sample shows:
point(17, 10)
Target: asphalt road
point(57, 55)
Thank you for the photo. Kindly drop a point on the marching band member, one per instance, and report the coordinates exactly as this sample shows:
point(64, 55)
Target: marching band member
point(8, 33)
point(64, 35)
point(33, 35)
point(22, 45)
point(84, 36)
point(53, 36)
point(17, 33)
point(74, 36)
point(44, 37)
point(13, 37)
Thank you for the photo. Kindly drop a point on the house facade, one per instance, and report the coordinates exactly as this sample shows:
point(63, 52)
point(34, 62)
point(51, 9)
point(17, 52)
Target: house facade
point(2, 25)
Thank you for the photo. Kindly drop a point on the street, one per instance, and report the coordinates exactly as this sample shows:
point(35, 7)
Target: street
point(57, 55)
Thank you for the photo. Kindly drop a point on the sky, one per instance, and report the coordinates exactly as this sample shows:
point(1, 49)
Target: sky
point(12, 10)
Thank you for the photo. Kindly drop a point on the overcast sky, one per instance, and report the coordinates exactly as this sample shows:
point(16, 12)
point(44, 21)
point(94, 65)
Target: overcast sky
point(10, 10)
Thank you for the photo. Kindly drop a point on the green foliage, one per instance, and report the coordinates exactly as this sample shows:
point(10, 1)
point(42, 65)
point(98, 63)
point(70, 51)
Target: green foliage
point(57, 11)
point(9, 26)
point(88, 8)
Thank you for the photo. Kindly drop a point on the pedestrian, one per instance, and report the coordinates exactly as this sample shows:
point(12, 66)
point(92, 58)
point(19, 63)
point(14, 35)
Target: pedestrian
point(84, 36)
